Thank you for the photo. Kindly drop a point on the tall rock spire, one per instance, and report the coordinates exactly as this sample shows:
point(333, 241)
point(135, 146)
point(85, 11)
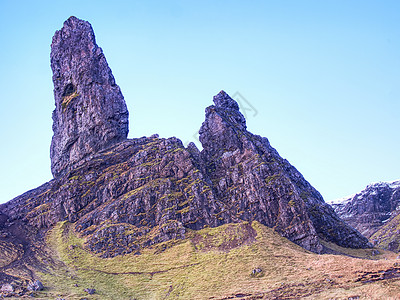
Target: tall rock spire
point(90, 112)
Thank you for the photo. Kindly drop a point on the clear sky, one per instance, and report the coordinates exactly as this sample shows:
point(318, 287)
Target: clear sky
point(320, 79)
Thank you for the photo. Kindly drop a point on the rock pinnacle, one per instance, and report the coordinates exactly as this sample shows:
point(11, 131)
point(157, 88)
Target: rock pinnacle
point(90, 113)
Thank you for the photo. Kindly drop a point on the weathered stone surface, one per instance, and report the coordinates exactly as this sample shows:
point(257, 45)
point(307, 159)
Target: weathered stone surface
point(135, 194)
point(7, 288)
point(375, 213)
point(371, 208)
point(123, 195)
point(90, 291)
point(255, 183)
point(3, 219)
point(10, 251)
point(247, 176)
point(90, 112)
point(35, 286)
point(144, 191)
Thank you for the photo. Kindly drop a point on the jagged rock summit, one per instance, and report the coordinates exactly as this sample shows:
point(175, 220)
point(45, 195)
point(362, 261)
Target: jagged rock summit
point(90, 113)
point(256, 184)
point(123, 195)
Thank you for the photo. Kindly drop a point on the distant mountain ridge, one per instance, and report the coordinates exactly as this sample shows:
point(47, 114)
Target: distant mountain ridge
point(374, 212)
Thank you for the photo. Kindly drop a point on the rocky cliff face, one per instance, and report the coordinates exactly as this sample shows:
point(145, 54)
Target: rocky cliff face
point(255, 183)
point(374, 212)
point(90, 112)
point(140, 192)
point(123, 195)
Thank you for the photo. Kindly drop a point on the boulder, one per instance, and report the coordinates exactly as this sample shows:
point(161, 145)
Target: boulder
point(90, 291)
point(7, 288)
point(35, 286)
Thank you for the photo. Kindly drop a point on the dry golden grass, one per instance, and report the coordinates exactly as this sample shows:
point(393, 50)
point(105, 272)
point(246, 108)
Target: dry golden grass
point(205, 270)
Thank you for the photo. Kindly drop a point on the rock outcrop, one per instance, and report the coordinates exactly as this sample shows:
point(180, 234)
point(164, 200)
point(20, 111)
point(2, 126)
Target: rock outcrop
point(143, 191)
point(90, 112)
point(123, 195)
point(255, 183)
point(375, 213)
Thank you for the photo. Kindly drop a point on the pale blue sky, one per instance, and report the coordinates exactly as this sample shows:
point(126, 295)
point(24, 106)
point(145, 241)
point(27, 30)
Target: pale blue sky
point(323, 77)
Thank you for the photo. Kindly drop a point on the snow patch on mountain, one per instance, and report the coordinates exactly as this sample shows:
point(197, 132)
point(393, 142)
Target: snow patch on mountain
point(371, 189)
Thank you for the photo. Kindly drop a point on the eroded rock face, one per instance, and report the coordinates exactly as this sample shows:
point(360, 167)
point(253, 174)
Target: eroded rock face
point(90, 112)
point(3, 219)
point(135, 194)
point(255, 183)
point(123, 195)
point(141, 192)
point(247, 175)
point(144, 191)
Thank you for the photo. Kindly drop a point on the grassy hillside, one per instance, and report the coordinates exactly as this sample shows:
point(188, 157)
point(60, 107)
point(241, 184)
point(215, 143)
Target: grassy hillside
point(217, 263)
point(388, 234)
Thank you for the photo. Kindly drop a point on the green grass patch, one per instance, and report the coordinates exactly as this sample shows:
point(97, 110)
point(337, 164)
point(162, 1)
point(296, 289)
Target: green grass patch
point(212, 262)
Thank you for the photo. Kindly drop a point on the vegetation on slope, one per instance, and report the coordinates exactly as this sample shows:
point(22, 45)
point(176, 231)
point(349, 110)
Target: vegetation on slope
point(387, 236)
point(218, 263)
